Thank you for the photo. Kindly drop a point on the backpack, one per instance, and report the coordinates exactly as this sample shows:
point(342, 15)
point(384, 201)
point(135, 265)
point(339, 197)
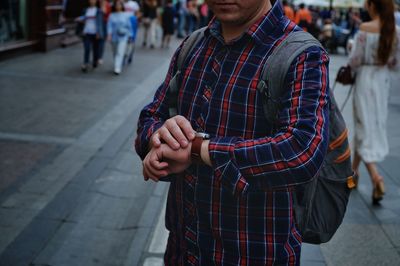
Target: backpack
point(320, 204)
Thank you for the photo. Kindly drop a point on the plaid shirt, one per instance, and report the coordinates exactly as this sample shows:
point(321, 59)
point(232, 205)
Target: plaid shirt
point(240, 210)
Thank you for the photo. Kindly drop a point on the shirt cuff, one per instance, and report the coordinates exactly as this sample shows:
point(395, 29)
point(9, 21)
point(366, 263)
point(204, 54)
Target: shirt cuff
point(142, 142)
point(153, 128)
point(224, 164)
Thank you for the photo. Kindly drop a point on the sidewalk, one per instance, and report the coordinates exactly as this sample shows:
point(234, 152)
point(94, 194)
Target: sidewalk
point(71, 189)
point(71, 186)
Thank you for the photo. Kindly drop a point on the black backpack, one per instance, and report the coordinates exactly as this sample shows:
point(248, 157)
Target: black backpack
point(319, 204)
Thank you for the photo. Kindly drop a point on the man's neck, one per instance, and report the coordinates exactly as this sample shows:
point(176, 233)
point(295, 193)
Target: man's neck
point(232, 31)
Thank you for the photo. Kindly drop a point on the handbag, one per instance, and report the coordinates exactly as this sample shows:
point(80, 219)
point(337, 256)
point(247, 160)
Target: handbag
point(79, 29)
point(122, 31)
point(345, 76)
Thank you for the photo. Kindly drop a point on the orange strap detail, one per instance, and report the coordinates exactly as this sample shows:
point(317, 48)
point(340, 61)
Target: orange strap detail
point(337, 142)
point(350, 182)
point(344, 156)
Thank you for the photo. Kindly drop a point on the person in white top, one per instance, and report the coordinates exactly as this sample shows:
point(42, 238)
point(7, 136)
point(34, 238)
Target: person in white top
point(93, 32)
point(375, 54)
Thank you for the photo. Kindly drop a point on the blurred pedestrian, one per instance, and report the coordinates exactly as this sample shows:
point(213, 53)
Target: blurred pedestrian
point(288, 10)
point(119, 30)
point(375, 53)
point(150, 22)
point(326, 35)
point(167, 23)
point(397, 15)
point(130, 50)
point(181, 9)
point(193, 16)
point(93, 31)
point(303, 17)
point(133, 10)
point(106, 9)
point(204, 14)
point(325, 14)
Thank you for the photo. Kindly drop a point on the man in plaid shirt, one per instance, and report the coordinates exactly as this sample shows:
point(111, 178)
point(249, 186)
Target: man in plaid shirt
point(231, 202)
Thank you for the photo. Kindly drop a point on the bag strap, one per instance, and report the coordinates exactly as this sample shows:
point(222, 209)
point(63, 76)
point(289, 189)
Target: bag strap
point(173, 86)
point(273, 76)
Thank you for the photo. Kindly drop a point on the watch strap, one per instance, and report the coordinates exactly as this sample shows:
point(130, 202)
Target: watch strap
point(196, 149)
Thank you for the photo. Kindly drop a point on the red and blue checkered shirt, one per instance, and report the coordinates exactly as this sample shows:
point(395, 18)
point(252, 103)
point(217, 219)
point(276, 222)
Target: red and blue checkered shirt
point(240, 210)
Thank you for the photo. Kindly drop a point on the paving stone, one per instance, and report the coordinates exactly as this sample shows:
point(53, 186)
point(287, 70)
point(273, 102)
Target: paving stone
point(116, 184)
point(357, 212)
point(384, 214)
point(393, 232)
point(81, 244)
point(391, 166)
point(63, 109)
point(311, 253)
point(20, 200)
point(17, 159)
point(127, 161)
point(356, 244)
point(10, 222)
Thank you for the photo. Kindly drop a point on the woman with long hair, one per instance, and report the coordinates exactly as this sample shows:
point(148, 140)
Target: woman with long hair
point(375, 54)
point(119, 30)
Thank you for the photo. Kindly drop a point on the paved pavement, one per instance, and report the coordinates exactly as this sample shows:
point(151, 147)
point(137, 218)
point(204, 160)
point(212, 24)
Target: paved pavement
point(71, 191)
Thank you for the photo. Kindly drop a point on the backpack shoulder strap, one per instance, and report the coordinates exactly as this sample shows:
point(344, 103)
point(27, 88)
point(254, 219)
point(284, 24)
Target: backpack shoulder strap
point(188, 46)
point(272, 82)
point(186, 50)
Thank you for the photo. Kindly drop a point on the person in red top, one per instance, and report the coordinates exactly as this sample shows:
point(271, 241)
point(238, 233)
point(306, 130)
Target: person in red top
point(105, 6)
point(303, 17)
point(288, 10)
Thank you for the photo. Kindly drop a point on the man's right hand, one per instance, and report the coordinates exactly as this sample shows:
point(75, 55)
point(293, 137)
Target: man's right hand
point(176, 132)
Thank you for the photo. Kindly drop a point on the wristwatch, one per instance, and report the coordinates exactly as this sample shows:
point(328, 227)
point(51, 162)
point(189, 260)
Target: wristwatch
point(196, 146)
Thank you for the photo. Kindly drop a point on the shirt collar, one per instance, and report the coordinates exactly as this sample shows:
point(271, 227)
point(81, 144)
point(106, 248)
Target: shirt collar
point(262, 30)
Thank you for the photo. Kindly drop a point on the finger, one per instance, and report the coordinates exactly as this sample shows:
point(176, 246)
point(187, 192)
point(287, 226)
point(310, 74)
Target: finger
point(145, 174)
point(151, 175)
point(155, 174)
point(169, 139)
point(151, 172)
point(177, 132)
point(155, 140)
point(158, 165)
point(186, 127)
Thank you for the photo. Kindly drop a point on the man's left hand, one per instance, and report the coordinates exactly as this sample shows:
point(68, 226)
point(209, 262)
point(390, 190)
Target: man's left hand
point(163, 159)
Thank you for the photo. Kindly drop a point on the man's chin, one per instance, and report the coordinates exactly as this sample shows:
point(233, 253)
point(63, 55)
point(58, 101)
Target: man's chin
point(229, 19)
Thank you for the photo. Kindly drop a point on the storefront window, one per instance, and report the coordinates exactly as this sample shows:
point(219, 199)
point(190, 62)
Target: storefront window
point(13, 21)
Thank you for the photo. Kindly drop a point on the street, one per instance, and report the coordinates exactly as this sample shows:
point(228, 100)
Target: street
point(71, 185)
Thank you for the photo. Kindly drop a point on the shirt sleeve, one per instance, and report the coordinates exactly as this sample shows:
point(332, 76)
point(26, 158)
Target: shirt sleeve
point(153, 115)
point(357, 51)
point(295, 153)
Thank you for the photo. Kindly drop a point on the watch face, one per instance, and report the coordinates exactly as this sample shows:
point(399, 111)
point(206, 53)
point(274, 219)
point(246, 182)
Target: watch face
point(202, 135)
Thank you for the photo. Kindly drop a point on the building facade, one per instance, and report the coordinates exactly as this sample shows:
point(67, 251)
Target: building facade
point(35, 24)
